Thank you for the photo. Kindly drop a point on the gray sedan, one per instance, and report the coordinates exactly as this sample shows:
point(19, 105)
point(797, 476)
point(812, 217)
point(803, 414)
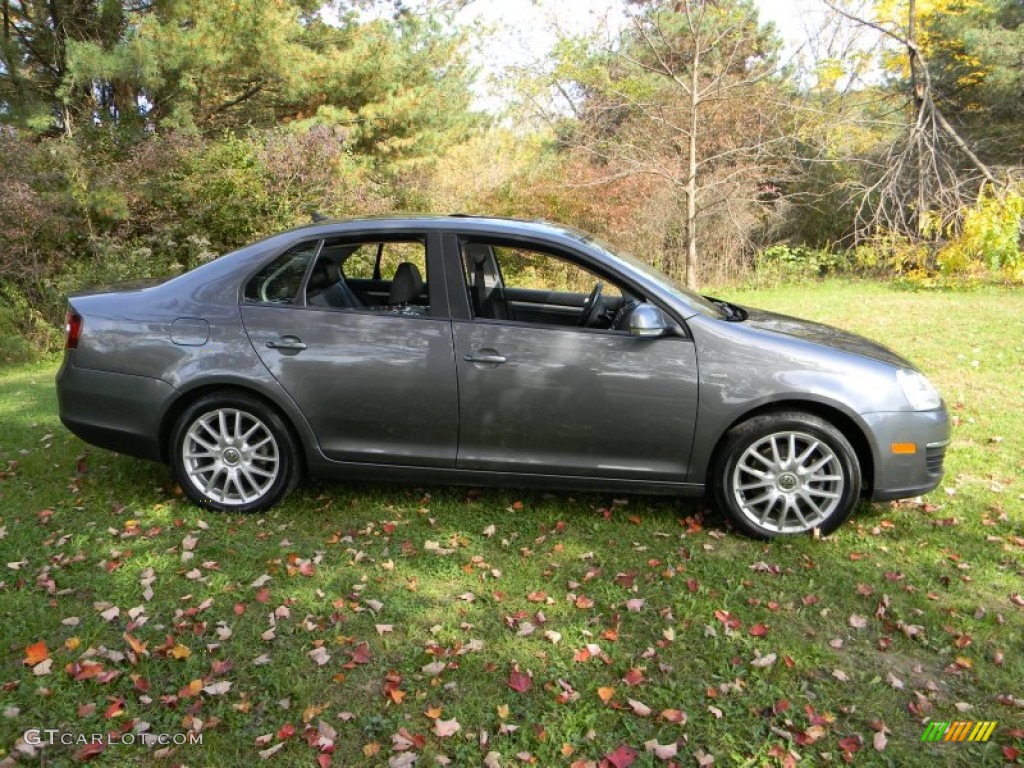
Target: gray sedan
point(488, 351)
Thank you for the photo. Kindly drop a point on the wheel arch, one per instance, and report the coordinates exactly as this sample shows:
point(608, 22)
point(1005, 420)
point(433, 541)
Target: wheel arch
point(189, 396)
point(853, 431)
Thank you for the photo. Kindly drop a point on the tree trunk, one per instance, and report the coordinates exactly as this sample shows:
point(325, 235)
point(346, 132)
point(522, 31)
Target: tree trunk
point(918, 92)
point(691, 177)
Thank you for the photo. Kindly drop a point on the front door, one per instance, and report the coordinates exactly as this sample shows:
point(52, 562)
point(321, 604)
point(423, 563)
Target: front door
point(542, 394)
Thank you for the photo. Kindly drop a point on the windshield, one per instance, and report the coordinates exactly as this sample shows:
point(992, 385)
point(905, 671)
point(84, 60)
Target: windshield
point(677, 289)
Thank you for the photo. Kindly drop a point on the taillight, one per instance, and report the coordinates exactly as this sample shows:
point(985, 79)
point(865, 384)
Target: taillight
point(72, 329)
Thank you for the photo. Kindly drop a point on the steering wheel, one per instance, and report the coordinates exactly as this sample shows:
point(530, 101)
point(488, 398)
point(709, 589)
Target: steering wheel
point(591, 307)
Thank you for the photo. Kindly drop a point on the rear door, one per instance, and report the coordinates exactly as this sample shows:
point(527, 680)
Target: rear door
point(375, 386)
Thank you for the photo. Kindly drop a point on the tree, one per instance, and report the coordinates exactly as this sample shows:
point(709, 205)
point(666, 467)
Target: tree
point(399, 86)
point(929, 173)
point(687, 96)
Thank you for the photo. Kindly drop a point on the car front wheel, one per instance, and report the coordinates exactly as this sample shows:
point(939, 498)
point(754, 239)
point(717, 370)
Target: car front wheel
point(786, 473)
point(231, 452)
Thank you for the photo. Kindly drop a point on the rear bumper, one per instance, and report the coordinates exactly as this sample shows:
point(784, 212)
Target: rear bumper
point(116, 411)
point(903, 475)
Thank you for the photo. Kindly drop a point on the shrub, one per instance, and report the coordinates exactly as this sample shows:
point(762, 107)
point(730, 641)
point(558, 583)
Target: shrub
point(783, 263)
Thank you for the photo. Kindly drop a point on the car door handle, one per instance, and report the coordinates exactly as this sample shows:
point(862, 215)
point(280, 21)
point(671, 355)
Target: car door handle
point(493, 359)
point(287, 344)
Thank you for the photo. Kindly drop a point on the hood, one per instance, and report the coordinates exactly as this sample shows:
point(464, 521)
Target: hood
point(824, 335)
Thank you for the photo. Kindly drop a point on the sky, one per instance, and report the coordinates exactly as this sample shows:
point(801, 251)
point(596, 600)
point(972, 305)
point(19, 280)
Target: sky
point(524, 30)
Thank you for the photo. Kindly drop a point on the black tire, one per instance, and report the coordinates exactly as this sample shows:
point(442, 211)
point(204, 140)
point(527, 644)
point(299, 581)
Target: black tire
point(766, 493)
point(263, 468)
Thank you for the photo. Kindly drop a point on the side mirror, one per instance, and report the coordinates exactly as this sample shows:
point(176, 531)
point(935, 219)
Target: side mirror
point(648, 322)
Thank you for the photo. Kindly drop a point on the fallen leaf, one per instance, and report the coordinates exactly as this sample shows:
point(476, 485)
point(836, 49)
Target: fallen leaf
point(639, 708)
point(662, 751)
point(269, 752)
point(633, 677)
point(36, 653)
point(858, 622)
point(605, 693)
point(519, 682)
point(622, 757)
point(444, 728)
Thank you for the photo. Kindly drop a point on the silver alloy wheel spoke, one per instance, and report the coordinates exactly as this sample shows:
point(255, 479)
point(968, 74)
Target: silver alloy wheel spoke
point(231, 457)
point(788, 482)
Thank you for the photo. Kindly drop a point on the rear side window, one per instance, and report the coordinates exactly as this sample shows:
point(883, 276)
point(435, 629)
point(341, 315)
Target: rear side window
point(280, 280)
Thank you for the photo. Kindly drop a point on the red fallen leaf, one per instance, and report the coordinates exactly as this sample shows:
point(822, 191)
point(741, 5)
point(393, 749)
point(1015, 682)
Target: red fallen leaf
point(626, 579)
point(361, 654)
point(780, 706)
point(140, 683)
point(865, 590)
point(894, 576)
point(727, 619)
point(810, 600)
point(584, 602)
point(306, 569)
point(622, 757)
point(633, 677)
point(89, 751)
point(693, 585)
point(582, 655)
point(1010, 753)
point(673, 715)
point(36, 653)
point(84, 710)
point(850, 743)
point(84, 670)
point(323, 760)
point(116, 708)
point(537, 597)
point(759, 630)
point(263, 595)
point(286, 732)
point(519, 682)
point(239, 609)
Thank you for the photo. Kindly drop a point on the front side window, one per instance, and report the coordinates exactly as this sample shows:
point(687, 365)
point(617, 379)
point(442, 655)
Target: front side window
point(525, 285)
point(279, 282)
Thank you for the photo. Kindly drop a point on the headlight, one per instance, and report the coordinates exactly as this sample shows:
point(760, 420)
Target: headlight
point(920, 393)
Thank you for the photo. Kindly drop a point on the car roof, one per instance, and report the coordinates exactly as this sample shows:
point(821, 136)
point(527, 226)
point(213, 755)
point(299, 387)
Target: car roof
point(462, 222)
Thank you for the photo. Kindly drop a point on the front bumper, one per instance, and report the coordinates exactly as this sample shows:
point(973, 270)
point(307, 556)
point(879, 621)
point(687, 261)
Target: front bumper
point(116, 411)
point(903, 475)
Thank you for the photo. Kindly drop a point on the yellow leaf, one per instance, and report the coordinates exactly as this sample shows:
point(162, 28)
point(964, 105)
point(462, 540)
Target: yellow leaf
point(72, 643)
point(433, 712)
point(195, 687)
point(605, 693)
point(181, 651)
point(371, 749)
point(503, 711)
point(567, 749)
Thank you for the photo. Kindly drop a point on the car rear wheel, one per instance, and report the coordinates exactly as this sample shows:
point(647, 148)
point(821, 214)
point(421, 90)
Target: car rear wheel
point(786, 473)
point(231, 452)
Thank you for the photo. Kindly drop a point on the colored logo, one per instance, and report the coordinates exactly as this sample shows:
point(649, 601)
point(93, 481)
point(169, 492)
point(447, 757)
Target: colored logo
point(959, 731)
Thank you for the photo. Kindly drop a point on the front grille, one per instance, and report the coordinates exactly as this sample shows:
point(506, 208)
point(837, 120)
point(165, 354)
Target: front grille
point(933, 458)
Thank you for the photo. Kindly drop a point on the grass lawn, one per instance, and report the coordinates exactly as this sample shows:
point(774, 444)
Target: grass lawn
point(377, 625)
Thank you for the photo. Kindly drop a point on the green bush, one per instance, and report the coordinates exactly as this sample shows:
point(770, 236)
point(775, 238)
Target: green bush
point(25, 332)
point(782, 263)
